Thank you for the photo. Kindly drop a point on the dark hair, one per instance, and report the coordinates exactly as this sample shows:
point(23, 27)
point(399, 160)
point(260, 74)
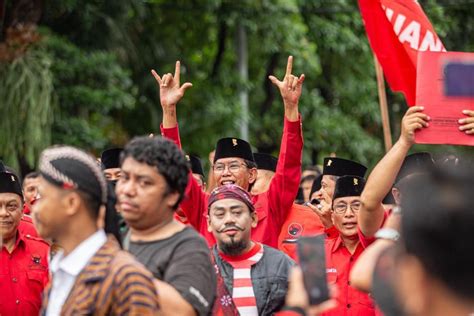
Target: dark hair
point(250, 165)
point(32, 175)
point(92, 203)
point(437, 225)
point(165, 156)
point(309, 177)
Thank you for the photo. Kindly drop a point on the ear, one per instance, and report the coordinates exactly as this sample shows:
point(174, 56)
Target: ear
point(254, 216)
point(71, 202)
point(101, 218)
point(396, 195)
point(171, 199)
point(253, 175)
point(209, 228)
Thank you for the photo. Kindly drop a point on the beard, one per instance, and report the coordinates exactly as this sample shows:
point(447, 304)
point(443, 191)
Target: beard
point(234, 247)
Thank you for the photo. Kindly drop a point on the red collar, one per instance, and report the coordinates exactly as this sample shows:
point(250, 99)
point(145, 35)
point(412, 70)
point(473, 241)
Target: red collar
point(338, 243)
point(253, 251)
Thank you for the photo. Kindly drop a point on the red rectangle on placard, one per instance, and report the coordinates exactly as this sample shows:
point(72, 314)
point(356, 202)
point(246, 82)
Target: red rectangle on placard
point(445, 111)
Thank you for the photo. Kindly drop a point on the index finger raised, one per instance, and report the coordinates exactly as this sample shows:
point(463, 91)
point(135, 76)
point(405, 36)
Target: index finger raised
point(177, 70)
point(289, 66)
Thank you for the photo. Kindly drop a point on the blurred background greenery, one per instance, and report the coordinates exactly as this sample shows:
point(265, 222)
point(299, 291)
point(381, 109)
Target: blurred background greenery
point(78, 72)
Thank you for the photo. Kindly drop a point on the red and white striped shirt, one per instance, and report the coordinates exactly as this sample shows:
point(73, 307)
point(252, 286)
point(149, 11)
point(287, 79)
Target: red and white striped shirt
point(243, 294)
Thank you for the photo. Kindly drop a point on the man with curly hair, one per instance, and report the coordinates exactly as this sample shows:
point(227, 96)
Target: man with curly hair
point(154, 175)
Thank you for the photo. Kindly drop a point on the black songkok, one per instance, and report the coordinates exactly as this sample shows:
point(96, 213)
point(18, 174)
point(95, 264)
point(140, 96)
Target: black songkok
point(415, 163)
point(71, 168)
point(348, 186)
point(343, 167)
point(110, 158)
point(316, 185)
point(9, 183)
point(265, 161)
point(195, 164)
point(233, 147)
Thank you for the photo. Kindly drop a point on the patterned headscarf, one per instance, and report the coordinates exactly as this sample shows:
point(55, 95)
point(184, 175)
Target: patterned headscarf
point(230, 191)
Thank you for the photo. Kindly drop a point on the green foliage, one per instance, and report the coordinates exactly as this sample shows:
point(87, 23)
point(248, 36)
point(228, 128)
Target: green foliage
point(26, 107)
point(91, 89)
point(108, 47)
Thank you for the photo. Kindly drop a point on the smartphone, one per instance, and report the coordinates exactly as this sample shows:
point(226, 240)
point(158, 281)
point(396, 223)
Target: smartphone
point(459, 79)
point(313, 202)
point(312, 258)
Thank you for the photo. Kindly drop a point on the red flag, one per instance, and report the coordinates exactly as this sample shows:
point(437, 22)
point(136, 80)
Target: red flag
point(397, 30)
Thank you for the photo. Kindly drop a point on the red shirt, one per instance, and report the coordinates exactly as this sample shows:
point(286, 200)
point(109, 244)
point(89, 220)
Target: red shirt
point(339, 263)
point(271, 206)
point(301, 221)
point(23, 276)
point(27, 227)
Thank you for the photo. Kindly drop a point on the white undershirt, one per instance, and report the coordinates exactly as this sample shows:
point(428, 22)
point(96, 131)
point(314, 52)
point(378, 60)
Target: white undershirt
point(66, 269)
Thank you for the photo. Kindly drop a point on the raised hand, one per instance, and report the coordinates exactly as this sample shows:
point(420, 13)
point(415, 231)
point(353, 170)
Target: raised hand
point(323, 209)
point(467, 124)
point(170, 89)
point(290, 89)
point(170, 93)
point(414, 119)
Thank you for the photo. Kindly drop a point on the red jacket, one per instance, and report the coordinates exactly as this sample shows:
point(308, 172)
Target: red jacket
point(301, 221)
point(272, 206)
point(23, 276)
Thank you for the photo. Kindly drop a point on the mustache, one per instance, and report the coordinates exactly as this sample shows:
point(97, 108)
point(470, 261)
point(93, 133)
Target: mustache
point(230, 227)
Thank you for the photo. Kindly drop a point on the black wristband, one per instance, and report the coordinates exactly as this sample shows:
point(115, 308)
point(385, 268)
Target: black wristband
point(295, 309)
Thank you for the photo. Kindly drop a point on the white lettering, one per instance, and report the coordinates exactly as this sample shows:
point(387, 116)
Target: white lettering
point(411, 34)
point(399, 23)
point(389, 14)
point(430, 43)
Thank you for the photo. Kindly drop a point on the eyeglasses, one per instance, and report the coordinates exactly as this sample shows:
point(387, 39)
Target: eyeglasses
point(342, 207)
point(233, 167)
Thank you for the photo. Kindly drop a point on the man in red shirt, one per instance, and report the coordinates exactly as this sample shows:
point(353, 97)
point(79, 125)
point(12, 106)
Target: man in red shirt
point(30, 190)
point(343, 251)
point(23, 258)
point(234, 163)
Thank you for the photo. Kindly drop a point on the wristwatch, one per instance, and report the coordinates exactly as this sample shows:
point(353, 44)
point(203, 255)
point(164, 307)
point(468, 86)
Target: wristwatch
point(388, 234)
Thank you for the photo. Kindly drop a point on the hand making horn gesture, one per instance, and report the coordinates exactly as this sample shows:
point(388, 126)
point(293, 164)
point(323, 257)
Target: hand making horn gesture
point(290, 90)
point(170, 93)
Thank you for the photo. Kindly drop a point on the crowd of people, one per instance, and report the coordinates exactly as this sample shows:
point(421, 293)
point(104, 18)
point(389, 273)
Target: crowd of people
point(142, 231)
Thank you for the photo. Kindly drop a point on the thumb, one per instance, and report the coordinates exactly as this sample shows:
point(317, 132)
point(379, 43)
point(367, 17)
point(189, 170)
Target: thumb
point(186, 86)
point(274, 80)
point(157, 77)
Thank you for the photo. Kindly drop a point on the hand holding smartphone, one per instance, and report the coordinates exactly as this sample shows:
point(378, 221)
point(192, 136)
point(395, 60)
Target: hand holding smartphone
point(312, 258)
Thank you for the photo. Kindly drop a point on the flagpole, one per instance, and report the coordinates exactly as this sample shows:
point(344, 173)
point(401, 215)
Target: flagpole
point(387, 136)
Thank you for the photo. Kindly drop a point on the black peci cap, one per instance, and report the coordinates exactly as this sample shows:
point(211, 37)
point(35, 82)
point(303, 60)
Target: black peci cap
point(195, 164)
point(421, 162)
point(343, 167)
point(110, 158)
point(10, 183)
point(349, 186)
point(233, 147)
point(265, 161)
point(316, 185)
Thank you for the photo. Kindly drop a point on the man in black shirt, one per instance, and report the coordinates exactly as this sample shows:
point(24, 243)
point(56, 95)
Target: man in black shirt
point(154, 175)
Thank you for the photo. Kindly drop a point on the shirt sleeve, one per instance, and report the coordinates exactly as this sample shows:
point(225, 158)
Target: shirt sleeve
point(284, 185)
point(194, 204)
point(192, 274)
point(172, 134)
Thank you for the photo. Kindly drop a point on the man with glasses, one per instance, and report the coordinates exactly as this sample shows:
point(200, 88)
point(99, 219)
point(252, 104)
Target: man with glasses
point(343, 251)
point(234, 162)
